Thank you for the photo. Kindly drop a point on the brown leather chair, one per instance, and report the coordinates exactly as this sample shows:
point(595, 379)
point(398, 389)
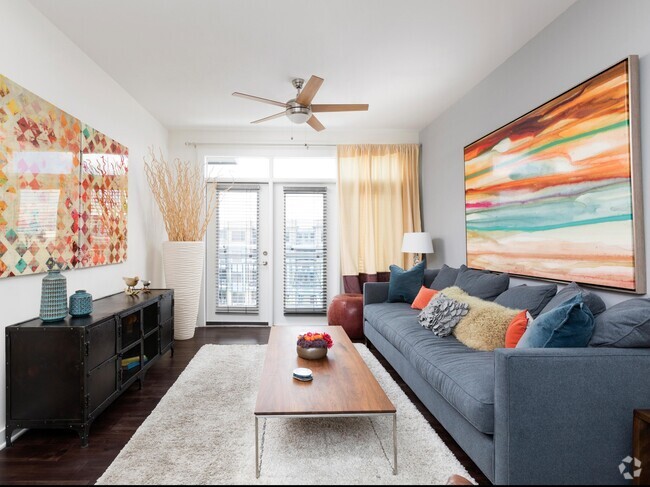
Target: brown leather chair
point(458, 480)
point(346, 310)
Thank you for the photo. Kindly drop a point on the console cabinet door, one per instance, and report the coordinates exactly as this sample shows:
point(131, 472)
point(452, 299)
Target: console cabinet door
point(45, 374)
point(102, 384)
point(102, 342)
point(166, 334)
point(166, 321)
point(166, 308)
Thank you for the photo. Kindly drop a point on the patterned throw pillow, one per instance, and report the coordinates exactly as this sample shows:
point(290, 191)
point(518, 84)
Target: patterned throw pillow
point(442, 314)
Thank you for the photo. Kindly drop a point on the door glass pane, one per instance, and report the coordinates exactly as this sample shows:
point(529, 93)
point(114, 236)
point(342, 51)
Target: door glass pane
point(305, 251)
point(305, 168)
point(237, 227)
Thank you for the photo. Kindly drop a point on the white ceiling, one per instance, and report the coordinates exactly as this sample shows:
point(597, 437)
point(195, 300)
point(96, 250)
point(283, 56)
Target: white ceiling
point(409, 59)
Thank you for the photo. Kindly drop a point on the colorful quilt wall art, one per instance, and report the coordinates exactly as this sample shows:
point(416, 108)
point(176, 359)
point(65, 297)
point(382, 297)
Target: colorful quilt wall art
point(63, 188)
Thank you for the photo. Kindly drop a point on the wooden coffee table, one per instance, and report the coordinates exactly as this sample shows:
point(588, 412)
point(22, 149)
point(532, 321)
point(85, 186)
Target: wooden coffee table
point(343, 386)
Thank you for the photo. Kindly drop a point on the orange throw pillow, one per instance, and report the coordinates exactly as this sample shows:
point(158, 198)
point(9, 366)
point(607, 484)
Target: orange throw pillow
point(424, 296)
point(516, 329)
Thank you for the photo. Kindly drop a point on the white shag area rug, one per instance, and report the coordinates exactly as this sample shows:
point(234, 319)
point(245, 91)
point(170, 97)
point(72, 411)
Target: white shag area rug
point(202, 432)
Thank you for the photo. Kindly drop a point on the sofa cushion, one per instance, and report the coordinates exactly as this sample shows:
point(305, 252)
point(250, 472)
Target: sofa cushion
point(464, 377)
point(532, 298)
point(570, 325)
point(404, 285)
point(594, 302)
point(625, 325)
point(482, 284)
point(446, 277)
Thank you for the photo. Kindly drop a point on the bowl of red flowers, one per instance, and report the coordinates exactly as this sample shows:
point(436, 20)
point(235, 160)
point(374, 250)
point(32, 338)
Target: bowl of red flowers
point(313, 346)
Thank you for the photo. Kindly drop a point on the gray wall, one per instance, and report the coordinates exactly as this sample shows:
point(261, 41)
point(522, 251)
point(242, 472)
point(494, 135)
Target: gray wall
point(589, 37)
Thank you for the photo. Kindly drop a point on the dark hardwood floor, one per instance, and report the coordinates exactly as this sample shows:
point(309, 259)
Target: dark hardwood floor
point(55, 456)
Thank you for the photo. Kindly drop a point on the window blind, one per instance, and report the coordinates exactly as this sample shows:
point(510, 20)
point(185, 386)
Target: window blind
point(305, 250)
point(237, 271)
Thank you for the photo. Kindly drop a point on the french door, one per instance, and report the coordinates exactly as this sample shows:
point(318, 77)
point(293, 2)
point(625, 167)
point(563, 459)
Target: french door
point(302, 278)
point(238, 256)
point(268, 260)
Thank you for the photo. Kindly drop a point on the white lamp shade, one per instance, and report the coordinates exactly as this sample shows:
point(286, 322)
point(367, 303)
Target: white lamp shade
point(417, 243)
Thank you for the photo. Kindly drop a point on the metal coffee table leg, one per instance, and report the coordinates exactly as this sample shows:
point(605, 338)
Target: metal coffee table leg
point(395, 444)
point(257, 461)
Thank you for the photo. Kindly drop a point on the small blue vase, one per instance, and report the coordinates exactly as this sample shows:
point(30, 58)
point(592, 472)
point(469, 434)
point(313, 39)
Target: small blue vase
point(54, 297)
point(81, 303)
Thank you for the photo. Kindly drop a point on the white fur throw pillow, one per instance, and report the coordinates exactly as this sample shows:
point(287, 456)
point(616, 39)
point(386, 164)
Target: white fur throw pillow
point(484, 326)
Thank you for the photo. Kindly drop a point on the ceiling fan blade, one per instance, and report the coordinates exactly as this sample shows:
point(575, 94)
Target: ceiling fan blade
point(257, 98)
point(265, 119)
point(309, 91)
point(314, 123)
point(339, 108)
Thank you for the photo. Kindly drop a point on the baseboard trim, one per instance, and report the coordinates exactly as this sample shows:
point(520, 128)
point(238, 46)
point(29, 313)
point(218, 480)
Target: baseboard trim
point(15, 436)
point(236, 324)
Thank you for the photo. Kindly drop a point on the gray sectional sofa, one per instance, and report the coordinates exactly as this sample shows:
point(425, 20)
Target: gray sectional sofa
point(525, 416)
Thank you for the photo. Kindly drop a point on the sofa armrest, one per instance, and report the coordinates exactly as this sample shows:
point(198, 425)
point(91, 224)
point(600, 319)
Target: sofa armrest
point(375, 292)
point(564, 416)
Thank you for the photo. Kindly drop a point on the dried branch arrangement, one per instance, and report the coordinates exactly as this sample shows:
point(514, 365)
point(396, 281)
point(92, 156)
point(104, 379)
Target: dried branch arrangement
point(179, 189)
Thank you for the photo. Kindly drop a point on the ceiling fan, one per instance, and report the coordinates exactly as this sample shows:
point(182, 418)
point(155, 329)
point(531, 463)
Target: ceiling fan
point(300, 109)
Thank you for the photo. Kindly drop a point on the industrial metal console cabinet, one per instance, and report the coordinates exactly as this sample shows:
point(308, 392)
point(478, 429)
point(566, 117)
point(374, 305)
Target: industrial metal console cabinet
point(64, 374)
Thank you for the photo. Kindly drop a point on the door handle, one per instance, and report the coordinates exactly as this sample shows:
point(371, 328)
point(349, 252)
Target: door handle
point(265, 262)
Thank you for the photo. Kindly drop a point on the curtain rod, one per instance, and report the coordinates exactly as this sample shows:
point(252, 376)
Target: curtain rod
point(248, 144)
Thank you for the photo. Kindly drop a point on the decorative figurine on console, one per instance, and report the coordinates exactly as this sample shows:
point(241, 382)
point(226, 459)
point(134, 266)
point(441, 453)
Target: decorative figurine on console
point(145, 286)
point(131, 282)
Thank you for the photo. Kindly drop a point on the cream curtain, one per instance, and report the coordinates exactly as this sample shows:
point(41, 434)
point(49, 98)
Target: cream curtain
point(379, 200)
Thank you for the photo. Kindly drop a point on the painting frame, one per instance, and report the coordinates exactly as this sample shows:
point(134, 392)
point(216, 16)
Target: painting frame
point(637, 241)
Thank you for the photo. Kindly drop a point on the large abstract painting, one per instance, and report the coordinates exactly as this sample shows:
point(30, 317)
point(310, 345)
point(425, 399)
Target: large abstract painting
point(63, 188)
point(556, 193)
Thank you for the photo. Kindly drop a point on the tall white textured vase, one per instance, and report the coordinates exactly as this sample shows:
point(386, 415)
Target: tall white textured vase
point(183, 265)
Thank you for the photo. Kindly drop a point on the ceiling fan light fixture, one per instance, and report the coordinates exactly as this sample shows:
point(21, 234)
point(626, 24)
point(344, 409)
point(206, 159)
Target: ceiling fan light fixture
point(298, 114)
point(300, 109)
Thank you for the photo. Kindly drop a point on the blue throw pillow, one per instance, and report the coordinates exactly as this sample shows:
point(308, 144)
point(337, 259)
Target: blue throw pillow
point(625, 325)
point(405, 285)
point(570, 325)
point(594, 302)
